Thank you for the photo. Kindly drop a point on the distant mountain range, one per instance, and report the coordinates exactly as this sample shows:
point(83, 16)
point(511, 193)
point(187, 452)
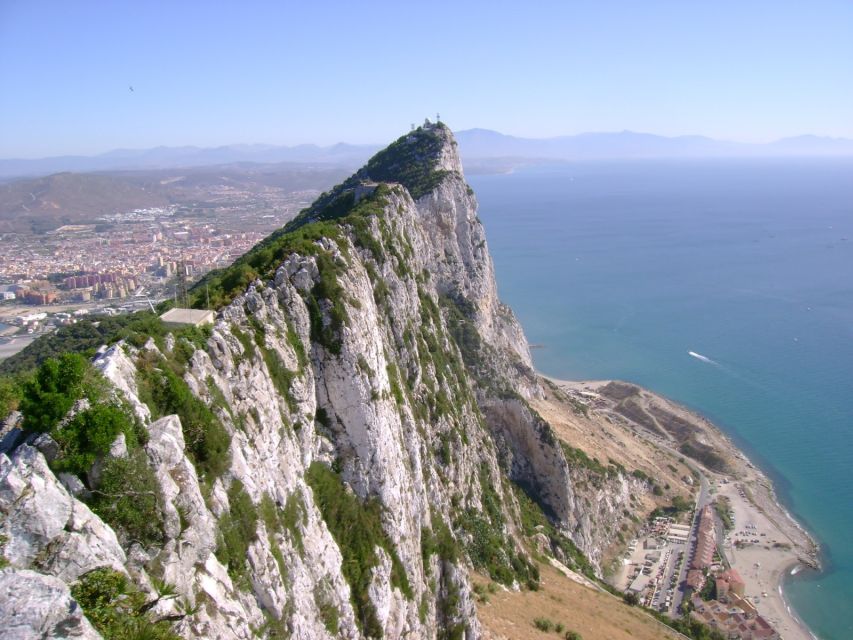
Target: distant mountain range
point(175, 157)
point(484, 143)
point(43, 203)
point(474, 145)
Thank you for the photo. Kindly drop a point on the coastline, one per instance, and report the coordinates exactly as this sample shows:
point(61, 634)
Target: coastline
point(782, 549)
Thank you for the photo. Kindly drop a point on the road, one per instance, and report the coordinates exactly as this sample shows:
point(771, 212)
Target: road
point(703, 498)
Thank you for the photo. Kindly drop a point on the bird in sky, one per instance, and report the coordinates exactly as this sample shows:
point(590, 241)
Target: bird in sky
point(131, 88)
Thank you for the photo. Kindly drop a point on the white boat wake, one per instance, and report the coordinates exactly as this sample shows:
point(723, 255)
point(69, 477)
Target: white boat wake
point(699, 356)
point(728, 370)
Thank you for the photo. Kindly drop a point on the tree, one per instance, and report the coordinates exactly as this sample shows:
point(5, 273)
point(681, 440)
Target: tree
point(54, 389)
point(10, 396)
point(631, 598)
point(89, 435)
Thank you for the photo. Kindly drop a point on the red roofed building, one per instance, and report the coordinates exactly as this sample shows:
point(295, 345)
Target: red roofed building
point(706, 540)
point(733, 622)
point(695, 579)
point(730, 582)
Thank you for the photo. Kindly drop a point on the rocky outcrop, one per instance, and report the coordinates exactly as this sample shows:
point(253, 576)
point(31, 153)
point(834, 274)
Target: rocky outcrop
point(46, 527)
point(373, 391)
point(35, 605)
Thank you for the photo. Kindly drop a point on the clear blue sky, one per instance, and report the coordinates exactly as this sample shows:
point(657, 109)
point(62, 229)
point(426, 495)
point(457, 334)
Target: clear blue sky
point(210, 73)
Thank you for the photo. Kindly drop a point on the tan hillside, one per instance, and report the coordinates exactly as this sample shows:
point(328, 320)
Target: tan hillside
point(594, 614)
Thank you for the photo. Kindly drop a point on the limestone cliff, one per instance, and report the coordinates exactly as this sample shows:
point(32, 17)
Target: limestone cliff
point(353, 433)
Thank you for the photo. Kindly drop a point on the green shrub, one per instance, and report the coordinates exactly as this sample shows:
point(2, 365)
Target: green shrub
point(281, 376)
point(394, 382)
point(439, 540)
point(679, 505)
point(410, 160)
point(704, 454)
point(128, 499)
point(573, 635)
point(245, 340)
point(534, 520)
point(357, 529)
point(116, 609)
point(486, 547)
point(640, 475)
point(52, 391)
point(195, 336)
point(238, 529)
point(3, 562)
point(709, 590)
point(89, 435)
point(543, 624)
point(291, 517)
point(329, 613)
point(167, 393)
point(288, 518)
point(723, 509)
point(10, 395)
point(578, 458)
point(688, 626)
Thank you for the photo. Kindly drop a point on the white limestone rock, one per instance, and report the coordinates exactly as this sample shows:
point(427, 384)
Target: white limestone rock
point(39, 606)
point(34, 505)
point(370, 408)
point(45, 526)
point(120, 370)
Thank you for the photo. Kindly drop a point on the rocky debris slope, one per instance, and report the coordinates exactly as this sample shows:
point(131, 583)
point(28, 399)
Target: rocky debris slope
point(328, 459)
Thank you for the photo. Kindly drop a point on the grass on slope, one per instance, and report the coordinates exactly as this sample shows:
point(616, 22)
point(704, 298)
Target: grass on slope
point(594, 615)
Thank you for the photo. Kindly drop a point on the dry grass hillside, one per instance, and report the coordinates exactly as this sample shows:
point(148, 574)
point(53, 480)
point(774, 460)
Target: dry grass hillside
point(601, 436)
point(594, 614)
point(610, 439)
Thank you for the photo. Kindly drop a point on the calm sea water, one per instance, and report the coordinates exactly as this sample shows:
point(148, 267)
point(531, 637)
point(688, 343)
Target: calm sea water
point(620, 269)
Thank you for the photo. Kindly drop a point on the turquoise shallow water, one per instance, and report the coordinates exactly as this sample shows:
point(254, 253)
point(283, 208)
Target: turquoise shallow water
point(620, 269)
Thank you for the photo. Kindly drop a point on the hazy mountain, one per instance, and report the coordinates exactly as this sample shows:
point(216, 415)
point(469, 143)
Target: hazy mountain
point(44, 203)
point(474, 145)
point(484, 143)
point(172, 157)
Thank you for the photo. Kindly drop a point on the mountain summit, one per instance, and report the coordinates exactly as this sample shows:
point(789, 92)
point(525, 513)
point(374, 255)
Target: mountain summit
point(353, 436)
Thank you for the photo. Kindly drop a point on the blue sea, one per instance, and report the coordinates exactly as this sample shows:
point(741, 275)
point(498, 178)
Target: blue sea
point(619, 269)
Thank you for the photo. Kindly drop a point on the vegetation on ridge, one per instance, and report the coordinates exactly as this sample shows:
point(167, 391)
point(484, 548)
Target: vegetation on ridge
point(89, 334)
point(238, 528)
point(356, 526)
point(125, 495)
point(409, 161)
point(163, 389)
point(117, 609)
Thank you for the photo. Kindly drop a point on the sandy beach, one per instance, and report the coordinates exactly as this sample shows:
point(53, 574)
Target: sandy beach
point(775, 546)
point(766, 543)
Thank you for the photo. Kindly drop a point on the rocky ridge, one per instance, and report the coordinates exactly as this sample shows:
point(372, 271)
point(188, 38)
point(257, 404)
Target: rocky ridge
point(366, 377)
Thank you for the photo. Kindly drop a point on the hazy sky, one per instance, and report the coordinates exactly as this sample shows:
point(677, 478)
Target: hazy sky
point(214, 72)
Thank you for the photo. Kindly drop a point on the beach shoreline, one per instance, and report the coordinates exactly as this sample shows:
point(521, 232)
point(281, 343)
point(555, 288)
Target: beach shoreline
point(767, 543)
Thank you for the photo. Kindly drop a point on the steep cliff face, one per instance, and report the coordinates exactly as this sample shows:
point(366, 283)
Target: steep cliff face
point(352, 431)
